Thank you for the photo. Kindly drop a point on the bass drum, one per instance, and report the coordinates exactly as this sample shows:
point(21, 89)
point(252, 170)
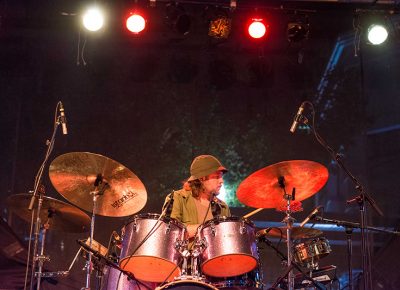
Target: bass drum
point(148, 248)
point(248, 281)
point(187, 284)
point(113, 279)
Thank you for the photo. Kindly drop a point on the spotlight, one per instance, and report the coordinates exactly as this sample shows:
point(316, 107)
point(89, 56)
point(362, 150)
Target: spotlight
point(93, 19)
point(297, 31)
point(220, 25)
point(177, 18)
point(257, 28)
point(135, 23)
point(377, 34)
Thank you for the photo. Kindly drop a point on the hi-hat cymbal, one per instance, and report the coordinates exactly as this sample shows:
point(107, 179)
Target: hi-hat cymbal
point(262, 189)
point(76, 174)
point(296, 234)
point(62, 216)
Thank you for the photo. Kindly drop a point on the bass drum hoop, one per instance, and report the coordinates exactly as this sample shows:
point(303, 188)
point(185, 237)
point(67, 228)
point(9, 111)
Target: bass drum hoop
point(185, 284)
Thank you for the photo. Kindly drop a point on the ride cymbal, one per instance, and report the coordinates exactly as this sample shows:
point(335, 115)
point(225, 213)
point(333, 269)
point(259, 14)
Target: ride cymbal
point(61, 216)
point(77, 175)
point(263, 188)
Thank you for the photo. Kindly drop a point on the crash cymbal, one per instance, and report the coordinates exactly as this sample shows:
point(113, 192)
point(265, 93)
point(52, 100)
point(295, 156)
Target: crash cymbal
point(120, 192)
point(262, 189)
point(297, 233)
point(63, 216)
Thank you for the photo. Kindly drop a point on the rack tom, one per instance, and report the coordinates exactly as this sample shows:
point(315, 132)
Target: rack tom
point(149, 247)
point(230, 247)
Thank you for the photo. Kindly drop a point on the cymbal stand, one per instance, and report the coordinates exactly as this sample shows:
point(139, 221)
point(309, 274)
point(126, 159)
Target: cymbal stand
point(288, 220)
point(94, 193)
point(42, 258)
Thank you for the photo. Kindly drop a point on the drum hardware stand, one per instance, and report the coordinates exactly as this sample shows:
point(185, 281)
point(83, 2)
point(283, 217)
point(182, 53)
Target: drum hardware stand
point(96, 192)
point(288, 220)
point(361, 199)
point(289, 268)
point(349, 232)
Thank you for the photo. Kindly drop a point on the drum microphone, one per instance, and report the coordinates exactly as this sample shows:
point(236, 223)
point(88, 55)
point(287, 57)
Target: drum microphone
point(63, 120)
point(297, 118)
point(310, 216)
point(168, 211)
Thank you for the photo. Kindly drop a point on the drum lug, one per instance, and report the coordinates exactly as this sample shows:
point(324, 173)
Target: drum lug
point(213, 230)
point(168, 229)
point(123, 230)
point(243, 229)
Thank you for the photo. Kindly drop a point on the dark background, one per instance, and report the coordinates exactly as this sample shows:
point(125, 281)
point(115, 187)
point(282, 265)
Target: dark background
point(153, 102)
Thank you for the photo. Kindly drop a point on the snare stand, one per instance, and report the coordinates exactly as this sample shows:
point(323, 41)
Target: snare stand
point(288, 220)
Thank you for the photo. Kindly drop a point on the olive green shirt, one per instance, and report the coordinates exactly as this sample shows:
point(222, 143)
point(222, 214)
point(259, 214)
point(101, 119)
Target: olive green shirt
point(184, 208)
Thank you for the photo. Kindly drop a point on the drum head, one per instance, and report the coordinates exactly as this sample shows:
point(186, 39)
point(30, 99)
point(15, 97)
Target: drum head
point(229, 265)
point(149, 268)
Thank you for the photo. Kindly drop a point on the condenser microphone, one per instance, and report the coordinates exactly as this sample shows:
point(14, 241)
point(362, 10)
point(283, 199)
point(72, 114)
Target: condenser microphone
point(63, 120)
point(310, 216)
point(297, 118)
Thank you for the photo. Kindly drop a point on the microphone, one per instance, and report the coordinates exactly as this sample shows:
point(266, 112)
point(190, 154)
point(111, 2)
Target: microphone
point(168, 211)
point(297, 118)
point(310, 216)
point(63, 120)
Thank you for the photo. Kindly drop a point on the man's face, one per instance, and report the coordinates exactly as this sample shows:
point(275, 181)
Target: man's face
point(212, 183)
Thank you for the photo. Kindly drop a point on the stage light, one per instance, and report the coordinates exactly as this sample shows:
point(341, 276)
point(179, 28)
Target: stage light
point(135, 23)
point(297, 31)
point(377, 34)
point(220, 24)
point(177, 18)
point(257, 28)
point(93, 19)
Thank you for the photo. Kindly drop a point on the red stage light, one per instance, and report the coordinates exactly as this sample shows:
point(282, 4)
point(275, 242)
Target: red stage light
point(135, 23)
point(257, 28)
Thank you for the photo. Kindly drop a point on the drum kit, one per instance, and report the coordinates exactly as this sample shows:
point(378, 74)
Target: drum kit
point(153, 251)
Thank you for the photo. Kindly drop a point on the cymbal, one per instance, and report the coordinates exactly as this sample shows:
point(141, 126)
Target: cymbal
point(64, 216)
point(120, 192)
point(296, 234)
point(262, 188)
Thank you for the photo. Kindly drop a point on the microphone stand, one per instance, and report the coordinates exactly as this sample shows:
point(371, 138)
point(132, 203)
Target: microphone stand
point(349, 227)
point(361, 199)
point(37, 183)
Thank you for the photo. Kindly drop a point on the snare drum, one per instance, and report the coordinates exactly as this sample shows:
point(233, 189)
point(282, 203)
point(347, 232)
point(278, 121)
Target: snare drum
point(311, 251)
point(156, 258)
point(231, 249)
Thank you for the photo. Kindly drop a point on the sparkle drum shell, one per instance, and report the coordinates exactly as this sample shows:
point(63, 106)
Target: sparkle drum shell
point(156, 259)
point(231, 247)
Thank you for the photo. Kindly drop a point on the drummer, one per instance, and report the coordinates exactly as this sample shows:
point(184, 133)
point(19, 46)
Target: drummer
point(191, 204)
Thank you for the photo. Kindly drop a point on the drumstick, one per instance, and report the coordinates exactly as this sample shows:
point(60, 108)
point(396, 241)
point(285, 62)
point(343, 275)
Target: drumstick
point(252, 213)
